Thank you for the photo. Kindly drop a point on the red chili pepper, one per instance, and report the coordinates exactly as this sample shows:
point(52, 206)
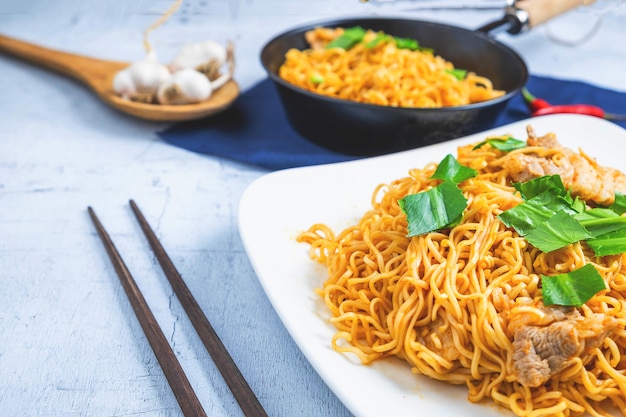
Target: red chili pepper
point(573, 108)
point(541, 107)
point(533, 102)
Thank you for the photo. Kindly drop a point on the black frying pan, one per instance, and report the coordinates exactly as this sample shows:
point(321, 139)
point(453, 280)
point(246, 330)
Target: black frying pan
point(365, 129)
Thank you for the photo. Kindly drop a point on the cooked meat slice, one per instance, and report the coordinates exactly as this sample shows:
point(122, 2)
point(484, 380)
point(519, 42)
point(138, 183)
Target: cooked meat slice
point(543, 351)
point(579, 172)
point(546, 141)
point(594, 182)
point(525, 167)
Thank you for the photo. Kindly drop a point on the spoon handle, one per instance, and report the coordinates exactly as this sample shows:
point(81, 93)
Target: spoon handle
point(95, 73)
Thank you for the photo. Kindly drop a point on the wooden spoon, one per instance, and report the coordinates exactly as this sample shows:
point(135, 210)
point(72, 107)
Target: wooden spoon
point(98, 75)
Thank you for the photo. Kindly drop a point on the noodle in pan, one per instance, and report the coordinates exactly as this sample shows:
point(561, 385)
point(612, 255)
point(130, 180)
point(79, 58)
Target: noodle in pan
point(382, 73)
point(464, 304)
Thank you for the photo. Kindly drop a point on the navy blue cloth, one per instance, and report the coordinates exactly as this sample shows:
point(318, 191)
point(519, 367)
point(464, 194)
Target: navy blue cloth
point(255, 129)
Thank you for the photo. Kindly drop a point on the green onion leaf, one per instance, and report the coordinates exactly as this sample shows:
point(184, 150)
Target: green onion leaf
point(572, 289)
point(600, 221)
point(619, 205)
point(380, 37)
point(608, 230)
point(407, 43)
point(557, 232)
point(547, 218)
point(534, 212)
point(434, 209)
point(457, 73)
point(441, 206)
point(449, 169)
point(551, 218)
point(612, 243)
point(349, 38)
point(316, 79)
point(536, 186)
point(504, 143)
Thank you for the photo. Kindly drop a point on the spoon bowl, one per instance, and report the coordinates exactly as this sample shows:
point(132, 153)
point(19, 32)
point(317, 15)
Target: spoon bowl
point(97, 74)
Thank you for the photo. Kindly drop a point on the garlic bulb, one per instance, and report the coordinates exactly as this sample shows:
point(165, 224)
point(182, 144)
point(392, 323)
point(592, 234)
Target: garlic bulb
point(140, 80)
point(186, 86)
point(206, 57)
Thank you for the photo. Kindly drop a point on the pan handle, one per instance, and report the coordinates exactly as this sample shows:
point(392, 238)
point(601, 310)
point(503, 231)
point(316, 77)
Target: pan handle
point(522, 15)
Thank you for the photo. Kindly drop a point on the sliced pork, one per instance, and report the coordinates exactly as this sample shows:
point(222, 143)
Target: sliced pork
point(580, 173)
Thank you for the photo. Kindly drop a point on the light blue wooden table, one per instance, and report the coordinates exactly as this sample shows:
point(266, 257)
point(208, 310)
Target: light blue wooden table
point(69, 342)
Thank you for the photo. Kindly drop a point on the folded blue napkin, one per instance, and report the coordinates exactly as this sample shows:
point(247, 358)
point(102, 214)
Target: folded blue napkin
point(255, 130)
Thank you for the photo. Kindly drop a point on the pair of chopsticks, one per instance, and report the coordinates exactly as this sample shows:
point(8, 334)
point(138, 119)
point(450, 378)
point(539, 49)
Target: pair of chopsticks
point(184, 393)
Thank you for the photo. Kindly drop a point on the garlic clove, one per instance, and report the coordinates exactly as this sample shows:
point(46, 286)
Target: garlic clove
point(141, 79)
point(123, 84)
point(199, 55)
point(186, 86)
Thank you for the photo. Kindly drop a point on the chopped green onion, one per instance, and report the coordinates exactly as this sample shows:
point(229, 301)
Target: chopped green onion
point(619, 205)
point(550, 218)
point(316, 79)
point(557, 232)
point(600, 221)
point(459, 74)
point(435, 209)
point(612, 243)
point(545, 217)
point(441, 206)
point(572, 289)
point(608, 227)
point(449, 169)
point(534, 212)
point(349, 38)
point(536, 186)
point(406, 43)
point(380, 37)
point(352, 36)
point(504, 143)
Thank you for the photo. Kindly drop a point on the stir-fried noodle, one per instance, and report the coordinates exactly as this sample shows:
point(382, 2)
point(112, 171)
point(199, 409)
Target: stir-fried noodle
point(464, 304)
point(384, 74)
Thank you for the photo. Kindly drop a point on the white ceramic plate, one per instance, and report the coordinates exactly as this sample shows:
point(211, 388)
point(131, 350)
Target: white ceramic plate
point(279, 205)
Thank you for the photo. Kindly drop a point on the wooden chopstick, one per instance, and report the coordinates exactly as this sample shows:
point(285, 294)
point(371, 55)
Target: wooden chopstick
point(242, 392)
point(184, 393)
